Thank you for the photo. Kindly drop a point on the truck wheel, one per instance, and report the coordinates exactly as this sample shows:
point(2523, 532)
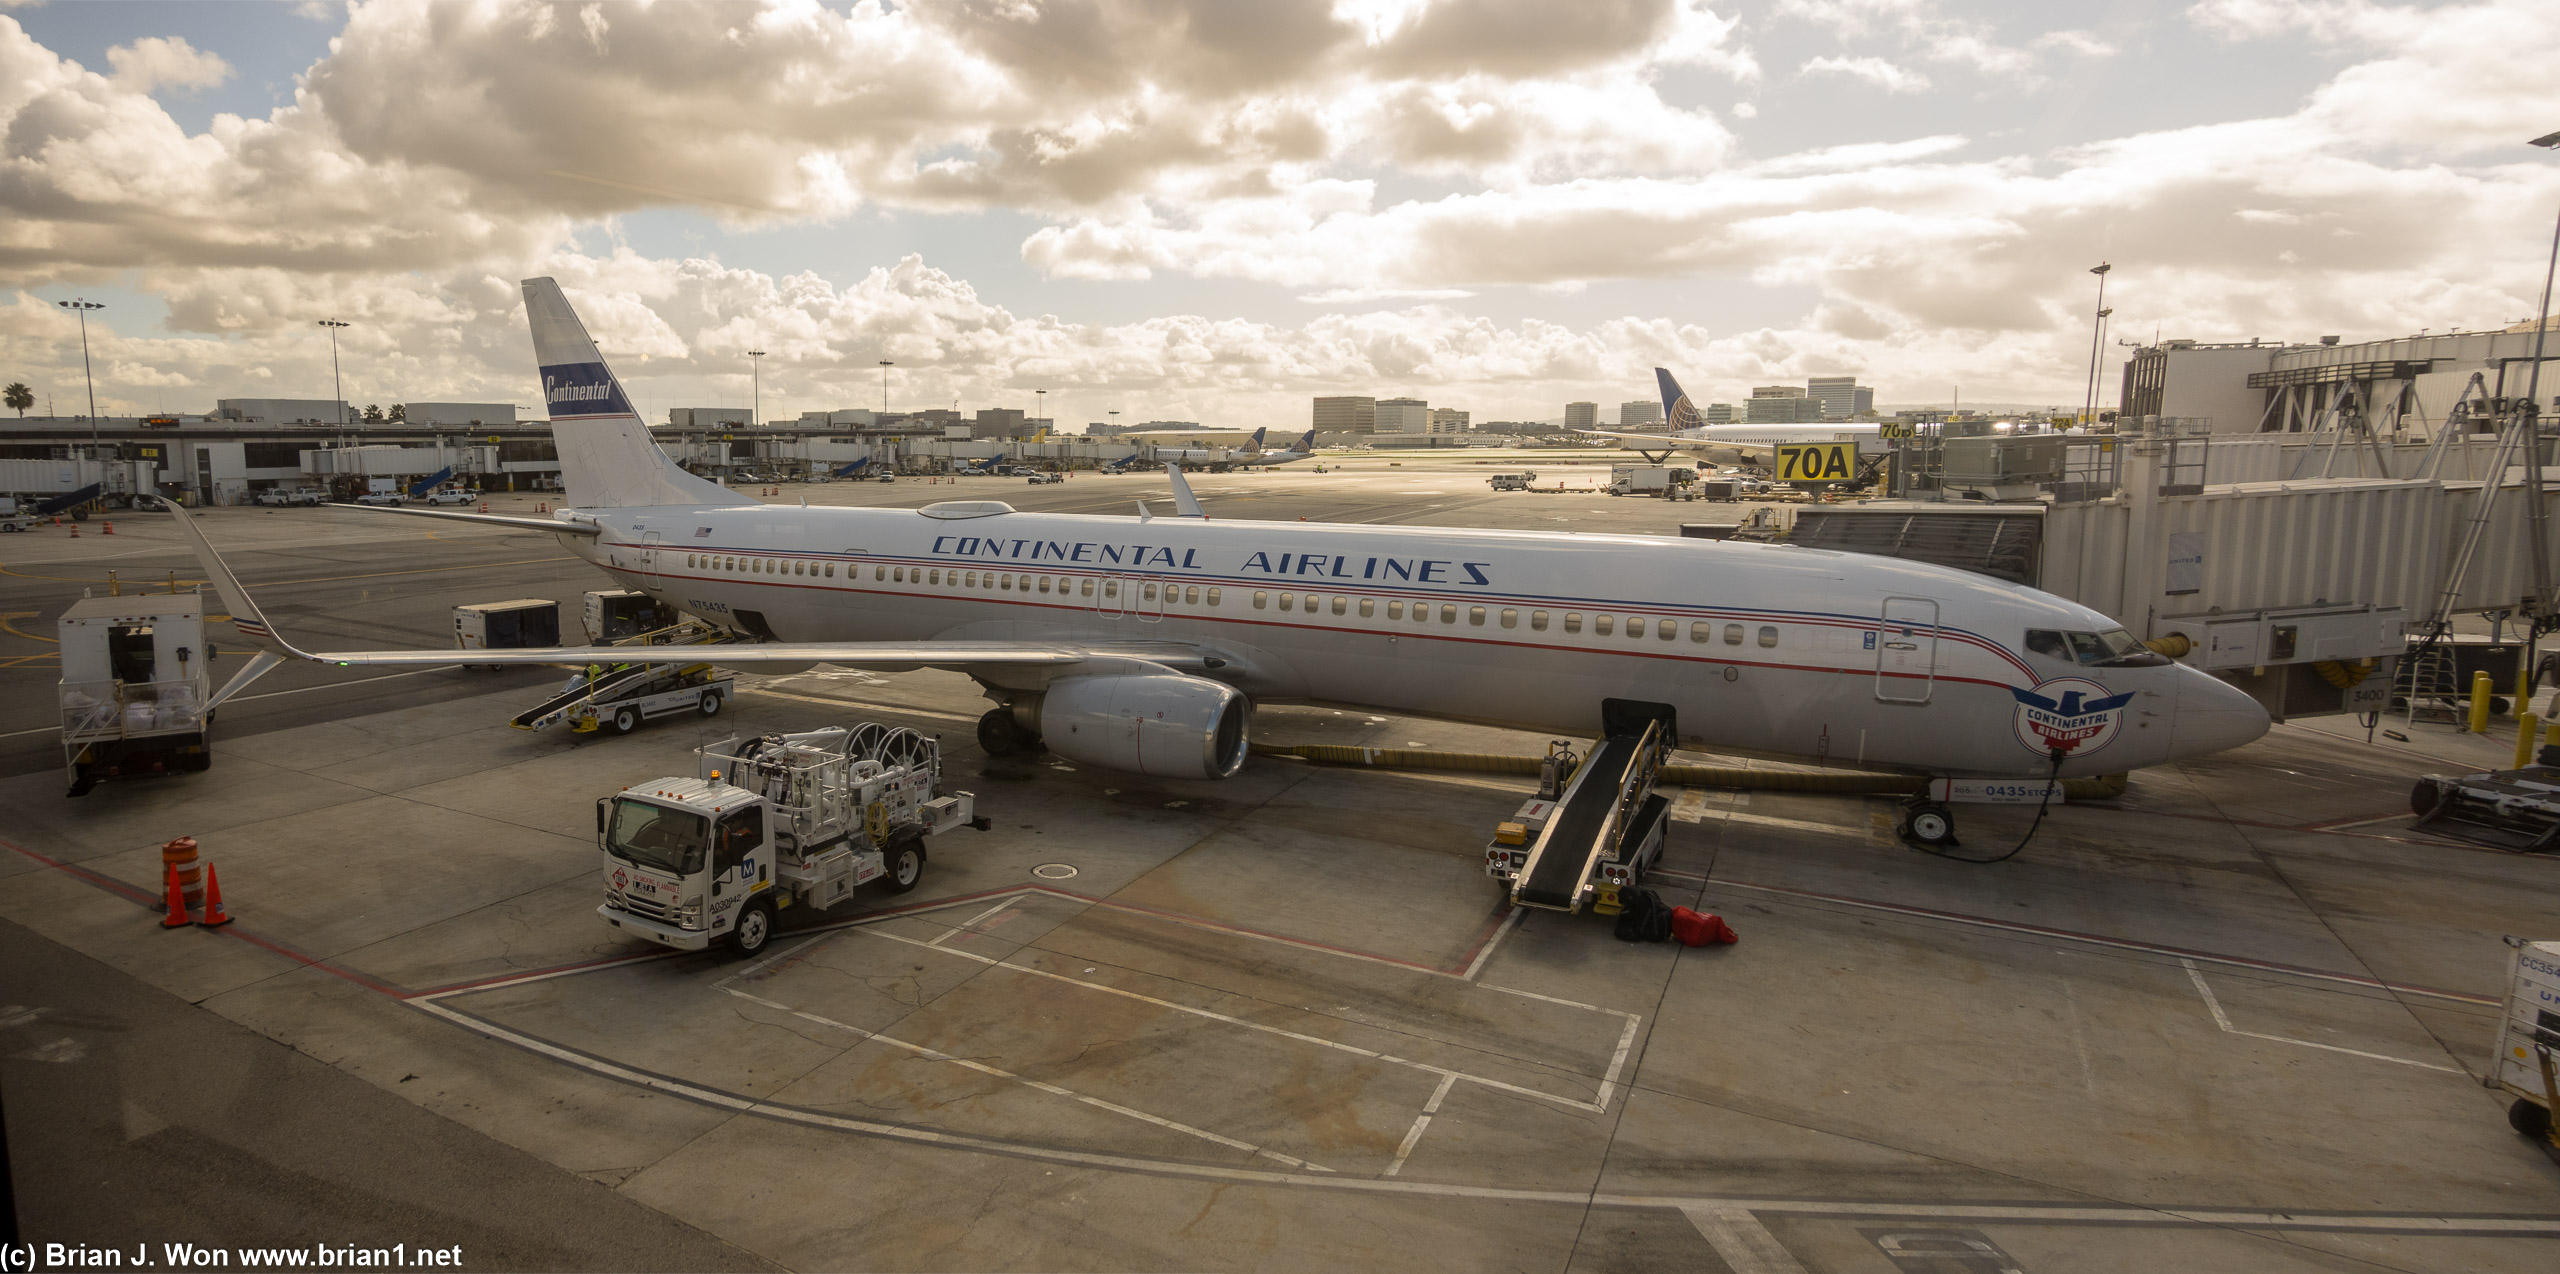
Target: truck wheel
point(2424, 798)
point(625, 720)
point(755, 927)
point(79, 515)
point(711, 703)
point(906, 865)
point(2529, 1118)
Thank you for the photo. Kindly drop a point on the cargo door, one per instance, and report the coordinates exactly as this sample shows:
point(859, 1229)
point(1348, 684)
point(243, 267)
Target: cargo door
point(1906, 646)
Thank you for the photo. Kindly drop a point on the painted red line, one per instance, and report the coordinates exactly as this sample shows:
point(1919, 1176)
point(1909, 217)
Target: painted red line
point(2126, 944)
point(121, 889)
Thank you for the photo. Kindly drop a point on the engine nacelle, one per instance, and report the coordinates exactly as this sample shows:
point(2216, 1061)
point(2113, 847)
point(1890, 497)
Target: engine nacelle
point(1165, 724)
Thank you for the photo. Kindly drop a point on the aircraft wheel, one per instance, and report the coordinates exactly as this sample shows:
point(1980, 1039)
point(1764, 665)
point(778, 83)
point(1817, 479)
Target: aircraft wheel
point(1929, 823)
point(710, 703)
point(2529, 1118)
point(1000, 735)
point(906, 865)
point(755, 927)
point(626, 720)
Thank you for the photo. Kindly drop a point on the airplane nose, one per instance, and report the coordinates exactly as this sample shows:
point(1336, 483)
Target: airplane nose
point(2212, 715)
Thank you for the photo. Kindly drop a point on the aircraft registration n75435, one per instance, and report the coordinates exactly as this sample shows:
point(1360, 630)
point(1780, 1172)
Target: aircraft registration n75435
point(1142, 642)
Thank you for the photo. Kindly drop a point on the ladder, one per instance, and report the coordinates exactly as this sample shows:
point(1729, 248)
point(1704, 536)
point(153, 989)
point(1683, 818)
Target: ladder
point(2429, 679)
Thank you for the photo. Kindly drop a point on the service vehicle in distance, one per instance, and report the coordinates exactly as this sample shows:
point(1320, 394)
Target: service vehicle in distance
point(774, 821)
point(1512, 481)
point(301, 497)
point(447, 495)
point(1044, 479)
point(13, 516)
point(379, 497)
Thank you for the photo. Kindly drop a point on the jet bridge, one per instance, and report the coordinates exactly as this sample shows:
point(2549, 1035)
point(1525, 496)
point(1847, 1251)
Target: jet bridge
point(1595, 828)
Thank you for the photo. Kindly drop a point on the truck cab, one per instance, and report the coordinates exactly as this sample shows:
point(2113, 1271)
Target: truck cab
point(770, 822)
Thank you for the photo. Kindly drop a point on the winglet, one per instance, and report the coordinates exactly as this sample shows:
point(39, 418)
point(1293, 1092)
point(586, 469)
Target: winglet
point(1185, 504)
point(245, 616)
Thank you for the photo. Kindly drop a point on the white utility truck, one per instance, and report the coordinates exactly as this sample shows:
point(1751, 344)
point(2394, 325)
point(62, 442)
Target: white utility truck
point(775, 821)
point(136, 696)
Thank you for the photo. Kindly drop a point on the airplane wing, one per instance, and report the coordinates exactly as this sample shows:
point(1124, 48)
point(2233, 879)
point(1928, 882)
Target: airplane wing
point(545, 525)
point(253, 624)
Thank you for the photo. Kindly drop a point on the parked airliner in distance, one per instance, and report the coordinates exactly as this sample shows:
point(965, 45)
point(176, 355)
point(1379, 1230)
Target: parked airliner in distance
point(1140, 643)
point(1686, 429)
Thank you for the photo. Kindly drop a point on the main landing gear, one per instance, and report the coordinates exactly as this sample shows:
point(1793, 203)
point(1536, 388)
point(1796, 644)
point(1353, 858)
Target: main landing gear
point(1927, 823)
point(1001, 734)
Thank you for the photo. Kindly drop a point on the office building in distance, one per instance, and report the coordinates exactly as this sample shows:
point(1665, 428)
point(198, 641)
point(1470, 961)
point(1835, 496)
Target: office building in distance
point(1346, 415)
point(1582, 415)
point(1639, 415)
point(1842, 397)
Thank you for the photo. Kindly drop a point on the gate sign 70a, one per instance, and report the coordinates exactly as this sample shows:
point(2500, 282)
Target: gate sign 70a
point(1818, 462)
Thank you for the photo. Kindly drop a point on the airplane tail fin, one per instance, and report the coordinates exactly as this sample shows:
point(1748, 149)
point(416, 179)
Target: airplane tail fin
point(607, 458)
point(1257, 438)
point(1307, 442)
point(1678, 412)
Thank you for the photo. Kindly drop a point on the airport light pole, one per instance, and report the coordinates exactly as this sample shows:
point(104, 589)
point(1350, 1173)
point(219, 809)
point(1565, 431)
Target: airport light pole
point(2089, 400)
point(885, 365)
point(2097, 383)
point(2532, 421)
point(755, 412)
point(334, 380)
point(1040, 408)
point(82, 307)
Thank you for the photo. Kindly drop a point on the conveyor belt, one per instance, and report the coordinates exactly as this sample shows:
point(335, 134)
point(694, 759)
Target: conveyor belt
point(1585, 826)
point(612, 685)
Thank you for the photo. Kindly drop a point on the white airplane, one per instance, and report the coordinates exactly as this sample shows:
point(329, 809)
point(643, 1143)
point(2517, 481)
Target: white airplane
point(1304, 447)
point(1141, 643)
point(1688, 430)
point(1206, 455)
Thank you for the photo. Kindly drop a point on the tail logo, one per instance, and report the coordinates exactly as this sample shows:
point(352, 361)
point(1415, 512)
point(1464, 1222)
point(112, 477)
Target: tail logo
point(574, 390)
point(2070, 715)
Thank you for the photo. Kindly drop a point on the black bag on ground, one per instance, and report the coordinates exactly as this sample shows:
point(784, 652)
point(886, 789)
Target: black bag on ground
point(1644, 918)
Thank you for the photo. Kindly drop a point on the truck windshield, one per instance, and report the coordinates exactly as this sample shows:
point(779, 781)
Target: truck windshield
point(656, 837)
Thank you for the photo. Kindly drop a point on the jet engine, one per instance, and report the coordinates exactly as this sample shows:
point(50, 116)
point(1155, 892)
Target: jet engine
point(1165, 724)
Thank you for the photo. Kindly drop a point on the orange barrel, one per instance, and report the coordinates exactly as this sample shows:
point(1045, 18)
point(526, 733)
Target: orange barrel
point(181, 854)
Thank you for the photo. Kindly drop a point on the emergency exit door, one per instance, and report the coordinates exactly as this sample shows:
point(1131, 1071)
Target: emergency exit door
point(1906, 645)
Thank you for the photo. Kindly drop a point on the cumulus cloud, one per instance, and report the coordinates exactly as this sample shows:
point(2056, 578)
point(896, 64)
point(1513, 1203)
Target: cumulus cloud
point(154, 61)
point(1876, 71)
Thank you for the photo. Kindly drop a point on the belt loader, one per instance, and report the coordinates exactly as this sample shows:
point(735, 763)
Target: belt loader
point(775, 821)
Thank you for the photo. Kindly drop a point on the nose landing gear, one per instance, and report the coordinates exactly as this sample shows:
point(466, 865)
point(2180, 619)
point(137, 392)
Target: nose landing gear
point(1928, 824)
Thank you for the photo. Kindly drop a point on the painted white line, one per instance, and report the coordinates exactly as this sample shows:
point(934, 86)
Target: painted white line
point(2223, 1020)
point(1053, 1090)
point(972, 922)
point(766, 963)
point(1413, 1135)
point(1509, 923)
point(1212, 1015)
point(1626, 1038)
point(500, 984)
point(1744, 1243)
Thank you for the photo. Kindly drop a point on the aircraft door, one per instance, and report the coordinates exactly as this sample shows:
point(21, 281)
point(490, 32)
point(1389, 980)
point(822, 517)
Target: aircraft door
point(1148, 604)
point(1107, 599)
point(1906, 646)
point(649, 545)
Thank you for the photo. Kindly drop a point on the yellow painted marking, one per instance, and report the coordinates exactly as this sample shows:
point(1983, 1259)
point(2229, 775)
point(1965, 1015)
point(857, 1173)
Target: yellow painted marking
point(9, 624)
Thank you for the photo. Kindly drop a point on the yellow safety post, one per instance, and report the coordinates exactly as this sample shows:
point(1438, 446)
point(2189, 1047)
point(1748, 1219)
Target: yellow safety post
point(2482, 686)
point(2527, 726)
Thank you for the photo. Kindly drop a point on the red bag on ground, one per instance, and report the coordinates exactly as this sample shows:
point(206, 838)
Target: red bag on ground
point(1698, 928)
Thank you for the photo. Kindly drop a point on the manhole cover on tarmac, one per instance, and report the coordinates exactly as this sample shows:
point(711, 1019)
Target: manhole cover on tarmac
point(1053, 871)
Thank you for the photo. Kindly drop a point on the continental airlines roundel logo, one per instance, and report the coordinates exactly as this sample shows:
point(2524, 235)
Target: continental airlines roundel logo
point(2072, 714)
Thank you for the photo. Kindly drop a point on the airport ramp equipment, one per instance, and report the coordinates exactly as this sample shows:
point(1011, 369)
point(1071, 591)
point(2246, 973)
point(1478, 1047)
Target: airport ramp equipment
point(430, 482)
point(2505, 809)
point(1608, 808)
point(623, 681)
point(854, 468)
point(68, 500)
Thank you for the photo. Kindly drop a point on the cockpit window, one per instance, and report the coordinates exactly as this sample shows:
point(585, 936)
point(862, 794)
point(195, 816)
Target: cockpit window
point(2114, 648)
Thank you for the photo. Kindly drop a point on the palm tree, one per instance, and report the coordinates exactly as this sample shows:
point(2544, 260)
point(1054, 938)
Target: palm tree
point(19, 396)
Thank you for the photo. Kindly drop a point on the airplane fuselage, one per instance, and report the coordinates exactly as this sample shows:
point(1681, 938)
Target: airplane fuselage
point(1769, 649)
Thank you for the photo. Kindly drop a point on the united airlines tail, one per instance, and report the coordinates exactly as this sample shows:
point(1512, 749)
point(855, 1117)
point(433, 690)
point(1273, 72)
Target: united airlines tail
point(1256, 445)
point(1306, 444)
point(1678, 412)
point(607, 458)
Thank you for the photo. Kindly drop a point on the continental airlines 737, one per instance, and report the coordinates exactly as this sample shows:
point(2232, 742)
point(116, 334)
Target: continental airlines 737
point(1142, 643)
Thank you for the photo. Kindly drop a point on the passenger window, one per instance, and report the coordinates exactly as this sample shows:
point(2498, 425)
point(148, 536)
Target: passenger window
point(1601, 624)
point(1733, 634)
point(1448, 613)
point(972, 581)
point(1635, 626)
point(1288, 601)
point(1395, 610)
point(1007, 583)
point(1087, 590)
point(1190, 597)
point(937, 579)
point(1111, 588)
point(1573, 621)
point(1368, 607)
point(688, 561)
point(1475, 617)
point(1213, 596)
point(1668, 629)
point(1260, 598)
point(1701, 632)
point(1044, 583)
point(848, 571)
point(1510, 618)
point(1341, 604)
point(1769, 635)
point(1148, 591)
point(1537, 621)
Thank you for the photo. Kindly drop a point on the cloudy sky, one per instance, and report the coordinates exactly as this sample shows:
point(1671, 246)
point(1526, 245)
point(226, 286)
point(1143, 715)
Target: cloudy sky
point(1213, 211)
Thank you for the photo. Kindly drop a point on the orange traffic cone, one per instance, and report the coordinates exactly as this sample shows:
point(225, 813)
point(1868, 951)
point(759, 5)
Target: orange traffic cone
point(75, 530)
point(214, 916)
point(111, 529)
point(177, 917)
